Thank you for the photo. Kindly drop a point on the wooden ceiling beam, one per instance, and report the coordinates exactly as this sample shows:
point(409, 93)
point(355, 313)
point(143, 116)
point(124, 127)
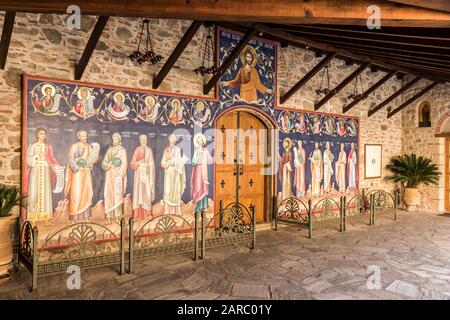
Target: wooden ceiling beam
point(348, 12)
point(413, 98)
point(380, 82)
point(399, 55)
point(442, 64)
point(386, 65)
point(176, 53)
point(229, 60)
point(377, 38)
point(8, 26)
point(440, 5)
point(307, 77)
point(90, 46)
point(393, 96)
point(381, 48)
point(440, 47)
point(408, 33)
point(341, 85)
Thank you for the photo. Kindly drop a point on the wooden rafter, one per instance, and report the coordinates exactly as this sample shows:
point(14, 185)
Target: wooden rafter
point(389, 75)
point(441, 5)
point(413, 98)
point(229, 60)
point(8, 26)
point(307, 77)
point(319, 11)
point(376, 38)
point(176, 53)
point(347, 53)
point(393, 96)
point(341, 85)
point(90, 46)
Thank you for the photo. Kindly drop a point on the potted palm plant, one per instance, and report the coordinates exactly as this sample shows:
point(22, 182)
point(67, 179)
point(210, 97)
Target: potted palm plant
point(412, 171)
point(10, 199)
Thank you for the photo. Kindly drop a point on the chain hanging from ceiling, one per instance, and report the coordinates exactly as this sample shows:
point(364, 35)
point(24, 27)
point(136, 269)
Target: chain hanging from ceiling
point(358, 91)
point(327, 89)
point(148, 54)
point(207, 54)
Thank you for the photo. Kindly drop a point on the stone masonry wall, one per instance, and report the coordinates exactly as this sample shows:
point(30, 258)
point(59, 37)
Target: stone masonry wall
point(42, 45)
point(422, 140)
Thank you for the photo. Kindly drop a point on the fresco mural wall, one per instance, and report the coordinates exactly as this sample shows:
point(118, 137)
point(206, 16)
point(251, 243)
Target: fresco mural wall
point(100, 153)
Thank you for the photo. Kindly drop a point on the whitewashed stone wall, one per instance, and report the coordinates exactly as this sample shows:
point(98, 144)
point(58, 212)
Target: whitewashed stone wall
point(42, 45)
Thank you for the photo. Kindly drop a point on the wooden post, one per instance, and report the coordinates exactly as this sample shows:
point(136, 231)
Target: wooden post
point(131, 245)
point(343, 213)
point(372, 208)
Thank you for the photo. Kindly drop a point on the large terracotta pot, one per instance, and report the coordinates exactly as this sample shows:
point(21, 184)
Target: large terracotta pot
point(7, 236)
point(411, 197)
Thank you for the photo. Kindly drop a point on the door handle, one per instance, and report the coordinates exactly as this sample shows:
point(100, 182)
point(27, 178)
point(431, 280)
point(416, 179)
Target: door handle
point(241, 169)
point(234, 169)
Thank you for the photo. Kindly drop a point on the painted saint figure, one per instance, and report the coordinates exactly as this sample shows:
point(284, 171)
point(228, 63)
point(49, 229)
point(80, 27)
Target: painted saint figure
point(299, 163)
point(115, 166)
point(49, 103)
point(176, 114)
point(151, 109)
point(247, 79)
point(352, 168)
point(286, 122)
point(174, 176)
point(199, 180)
point(40, 177)
point(85, 103)
point(328, 158)
point(200, 115)
point(143, 165)
point(79, 179)
point(286, 167)
point(340, 169)
point(316, 125)
point(316, 170)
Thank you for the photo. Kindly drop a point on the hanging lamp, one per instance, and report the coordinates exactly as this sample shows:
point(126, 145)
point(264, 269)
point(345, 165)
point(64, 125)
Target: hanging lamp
point(148, 54)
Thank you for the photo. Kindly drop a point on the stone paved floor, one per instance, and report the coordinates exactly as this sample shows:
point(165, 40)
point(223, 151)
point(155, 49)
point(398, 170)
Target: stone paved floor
point(412, 254)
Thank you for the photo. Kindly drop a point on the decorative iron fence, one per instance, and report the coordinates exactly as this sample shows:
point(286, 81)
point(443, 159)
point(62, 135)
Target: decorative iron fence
point(357, 209)
point(328, 212)
point(85, 244)
point(161, 235)
point(89, 244)
point(232, 224)
point(382, 203)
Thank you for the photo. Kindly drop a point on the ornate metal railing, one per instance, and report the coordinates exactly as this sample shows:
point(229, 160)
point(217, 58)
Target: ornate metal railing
point(327, 213)
point(356, 209)
point(162, 235)
point(382, 203)
point(232, 224)
point(84, 244)
point(292, 211)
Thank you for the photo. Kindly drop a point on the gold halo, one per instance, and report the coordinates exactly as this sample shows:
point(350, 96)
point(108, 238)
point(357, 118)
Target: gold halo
point(149, 97)
point(83, 88)
point(200, 106)
point(289, 141)
point(176, 100)
point(253, 53)
point(48, 86)
point(196, 137)
point(119, 94)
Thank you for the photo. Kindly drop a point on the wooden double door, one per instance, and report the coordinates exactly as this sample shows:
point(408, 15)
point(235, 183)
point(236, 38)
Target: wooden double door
point(239, 170)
